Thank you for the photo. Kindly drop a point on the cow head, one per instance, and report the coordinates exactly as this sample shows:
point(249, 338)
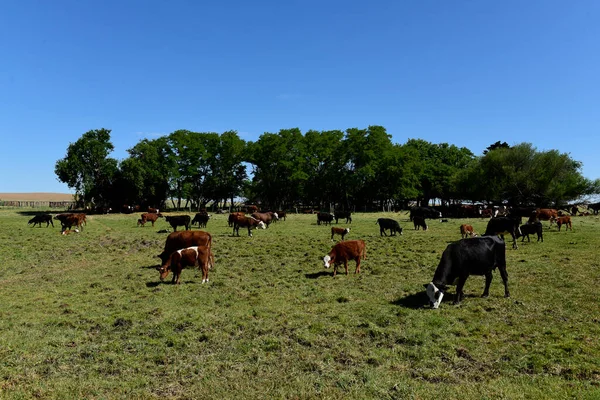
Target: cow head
point(347, 230)
point(327, 261)
point(435, 294)
point(164, 269)
point(276, 216)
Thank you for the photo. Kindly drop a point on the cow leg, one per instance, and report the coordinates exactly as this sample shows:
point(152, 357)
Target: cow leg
point(504, 276)
point(514, 241)
point(488, 282)
point(459, 289)
point(249, 231)
point(357, 265)
point(346, 266)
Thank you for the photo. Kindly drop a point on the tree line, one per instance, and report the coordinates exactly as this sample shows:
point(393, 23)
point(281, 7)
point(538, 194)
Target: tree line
point(355, 169)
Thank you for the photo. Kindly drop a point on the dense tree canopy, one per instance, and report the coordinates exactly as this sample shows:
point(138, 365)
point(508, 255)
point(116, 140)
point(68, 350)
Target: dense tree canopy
point(354, 169)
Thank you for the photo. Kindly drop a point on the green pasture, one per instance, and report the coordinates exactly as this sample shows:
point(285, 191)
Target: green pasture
point(84, 316)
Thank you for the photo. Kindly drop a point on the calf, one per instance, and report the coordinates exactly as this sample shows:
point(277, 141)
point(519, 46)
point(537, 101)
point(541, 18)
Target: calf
point(476, 256)
point(467, 230)
point(148, 217)
point(388, 223)
point(339, 231)
point(325, 218)
point(182, 239)
point(530, 229)
point(282, 214)
point(246, 222)
point(201, 219)
point(179, 220)
point(566, 221)
point(343, 214)
point(38, 219)
point(345, 251)
point(504, 225)
point(188, 257)
point(419, 222)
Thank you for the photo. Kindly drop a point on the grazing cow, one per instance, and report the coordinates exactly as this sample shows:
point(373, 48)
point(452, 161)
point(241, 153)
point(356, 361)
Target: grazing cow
point(467, 230)
point(566, 221)
point(544, 214)
point(504, 225)
point(339, 231)
point(419, 222)
point(345, 251)
point(476, 256)
point(178, 220)
point(148, 217)
point(424, 212)
point(266, 217)
point(68, 220)
point(388, 223)
point(343, 214)
point(246, 222)
point(188, 257)
point(325, 218)
point(282, 214)
point(38, 219)
point(232, 217)
point(182, 239)
point(153, 210)
point(530, 229)
point(201, 219)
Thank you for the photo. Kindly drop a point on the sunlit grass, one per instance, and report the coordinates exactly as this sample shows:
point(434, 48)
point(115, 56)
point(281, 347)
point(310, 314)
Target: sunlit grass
point(85, 316)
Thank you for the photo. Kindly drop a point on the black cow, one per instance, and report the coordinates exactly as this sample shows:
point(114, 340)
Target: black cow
point(388, 223)
point(475, 256)
point(595, 207)
point(343, 214)
point(419, 222)
point(179, 220)
point(504, 225)
point(530, 229)
point(38, 219)
point(325, 218)
point(201, 219)
point(424, 212)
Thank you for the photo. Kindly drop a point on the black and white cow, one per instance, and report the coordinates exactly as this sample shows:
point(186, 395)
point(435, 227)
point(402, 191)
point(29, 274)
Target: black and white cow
point(388, 223)
point(531, 228)
point(475, 256)
point(504, 225)
point(325, 218)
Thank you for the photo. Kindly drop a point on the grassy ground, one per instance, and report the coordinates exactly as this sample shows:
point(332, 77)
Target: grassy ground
point(85, 316)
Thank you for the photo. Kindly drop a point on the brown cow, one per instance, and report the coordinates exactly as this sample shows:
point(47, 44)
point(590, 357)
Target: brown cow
point(566, 221)
point(467, 230)
point(232, 216)
point(419, 222)
point(281, 214)
point(339, 231)
point(266, 217)
point(544, 214)
point(188, 257)
point(344, 251)
point(69, 220)
point(148, 217)
point(182, 239)
point(246, 222)
point(153, 210)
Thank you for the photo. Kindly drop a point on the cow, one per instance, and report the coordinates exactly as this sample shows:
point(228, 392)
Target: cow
point(126, 209)
point(67, 220)
point(250, 208)
point(574, 209)
point(595, 207)
point(476, 256)
point(521, 212)
point(38, 219)
point(339, 231)
point(69, 231)
point(187, 257)
point(345, 251)
point(530, 229)
point(148, 217)
point(325, 218)
point(182, 239)
point(467, 230)
point(153, 210)
point(178, 220)
point(566, 221)
point(419, 222)
point(201, 219)
point(232, 217)
point(282, 214)
point(425, 212)
point(544, 214)
point(266, 217)
point(343, 214)
point(504, 225)
point(246, 222)
point(388, 223)
point(488, 213)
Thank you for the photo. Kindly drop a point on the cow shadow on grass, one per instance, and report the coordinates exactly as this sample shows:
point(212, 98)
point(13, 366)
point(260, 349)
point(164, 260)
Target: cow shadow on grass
point(317, 275)
point(413, 301)
point(153, 266)
point(168, 282)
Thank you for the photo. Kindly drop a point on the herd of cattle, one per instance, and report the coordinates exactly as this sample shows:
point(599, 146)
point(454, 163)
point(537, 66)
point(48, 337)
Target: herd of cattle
point(472, 255)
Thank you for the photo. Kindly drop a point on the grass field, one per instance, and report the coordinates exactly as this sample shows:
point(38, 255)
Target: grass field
point(85, 316)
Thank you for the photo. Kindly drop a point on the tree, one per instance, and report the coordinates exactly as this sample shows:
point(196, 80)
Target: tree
point(87, 169)
point(497, 145)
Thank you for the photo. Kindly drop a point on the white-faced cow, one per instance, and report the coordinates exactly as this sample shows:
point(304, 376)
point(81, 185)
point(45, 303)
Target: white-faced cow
point(188, 257)
point(325, 218)
point(339, 231)
point(467, 230)
point(246, 222)
point(345, 251)
point(476, 256)
point(266, 217)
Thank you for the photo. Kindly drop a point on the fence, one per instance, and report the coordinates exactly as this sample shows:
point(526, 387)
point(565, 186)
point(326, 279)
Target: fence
point(32, 204)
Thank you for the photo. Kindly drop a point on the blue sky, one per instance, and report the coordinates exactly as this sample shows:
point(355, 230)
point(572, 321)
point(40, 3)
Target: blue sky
point(463, 72)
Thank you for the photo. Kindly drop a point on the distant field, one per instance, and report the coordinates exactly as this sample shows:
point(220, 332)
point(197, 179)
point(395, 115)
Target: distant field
point(85, 316)
point(41, 196)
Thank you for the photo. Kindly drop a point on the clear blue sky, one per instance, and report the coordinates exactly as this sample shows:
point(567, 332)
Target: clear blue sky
point(467, 73)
